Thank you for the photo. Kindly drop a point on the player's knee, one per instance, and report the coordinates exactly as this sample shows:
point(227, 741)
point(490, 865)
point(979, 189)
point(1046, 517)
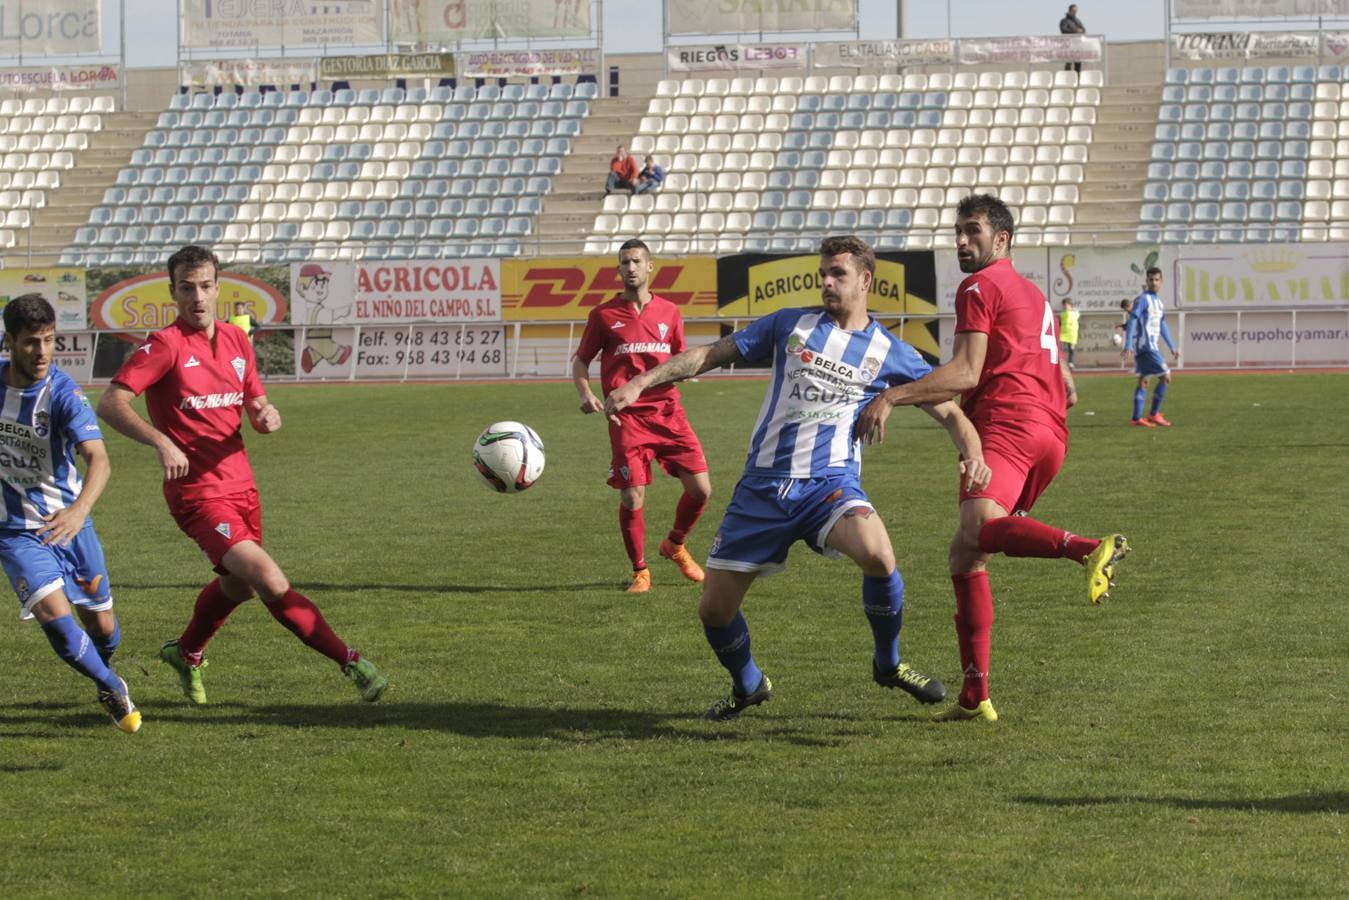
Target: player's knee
point(715, 612)
point(878, 560)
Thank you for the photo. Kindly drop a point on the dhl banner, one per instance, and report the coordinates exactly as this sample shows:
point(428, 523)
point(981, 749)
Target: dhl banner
point(62, 288)
point(569, 287)
point(751, 285)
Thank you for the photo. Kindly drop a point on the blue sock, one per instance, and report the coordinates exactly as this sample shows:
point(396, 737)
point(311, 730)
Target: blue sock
point(72, 644)
point(1139, 395)
point(1158, 395)
point(107, 646)
point(883, 602)
point(731, 644)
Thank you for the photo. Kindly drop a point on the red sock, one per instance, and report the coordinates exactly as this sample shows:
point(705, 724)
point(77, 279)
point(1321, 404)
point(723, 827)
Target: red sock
point(1022, 536)
point(974, 626)
point(632, 525)
point(299, 614)
point(210, 612)
point(686, 516)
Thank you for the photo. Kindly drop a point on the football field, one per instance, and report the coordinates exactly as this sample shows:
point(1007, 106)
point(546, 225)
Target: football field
point(541, 736)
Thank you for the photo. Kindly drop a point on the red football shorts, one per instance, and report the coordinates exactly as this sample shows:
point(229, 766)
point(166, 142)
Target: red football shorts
point(218, 523)
point(1024, 455)
point(664, 435)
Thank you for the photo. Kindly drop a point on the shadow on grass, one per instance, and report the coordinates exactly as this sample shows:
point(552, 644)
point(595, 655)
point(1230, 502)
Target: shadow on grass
point(320, 586)
point(1332, 802)
point(489, 720)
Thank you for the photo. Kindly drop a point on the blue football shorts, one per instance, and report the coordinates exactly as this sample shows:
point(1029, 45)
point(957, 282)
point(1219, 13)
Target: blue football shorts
point(1149, 362)
point(769, 514)
point(36, 569)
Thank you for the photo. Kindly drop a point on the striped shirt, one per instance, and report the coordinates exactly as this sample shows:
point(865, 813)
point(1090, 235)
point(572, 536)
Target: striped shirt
point(40, 427)
point(822, 377)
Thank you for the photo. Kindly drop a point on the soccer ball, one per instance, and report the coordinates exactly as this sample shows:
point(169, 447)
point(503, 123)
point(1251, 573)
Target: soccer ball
point(508, 456)
point(1117, 339)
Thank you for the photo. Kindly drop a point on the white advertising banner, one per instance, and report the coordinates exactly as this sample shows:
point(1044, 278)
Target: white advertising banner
point(1266, 338)
point(221, 24)
point(385, 292)
point(765, 16)
point(508, 63)
point(885, 54)
point(1052, 48)
point(247, 72)
point(96, 77)
point(446, 21)
point(1262, 275)
point(432, 351)
point(1245, 45)
point(1257, 9)
point(49, 27)
point(1096, 279)
point(1031, 262)
point(736, 57)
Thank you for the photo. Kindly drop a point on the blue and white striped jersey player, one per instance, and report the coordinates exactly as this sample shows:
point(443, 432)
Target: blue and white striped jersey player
point(802, 477)
point(1143, 336)
point(47, 542)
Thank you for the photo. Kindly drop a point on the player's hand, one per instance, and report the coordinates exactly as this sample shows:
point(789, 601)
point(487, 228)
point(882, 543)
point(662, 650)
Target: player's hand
point(60, 527)
point(171, 460)
point(266, 419)
point(870, 428)
point(619, 399)
point(591, 404)
point(1072, 399)
point(975, 474)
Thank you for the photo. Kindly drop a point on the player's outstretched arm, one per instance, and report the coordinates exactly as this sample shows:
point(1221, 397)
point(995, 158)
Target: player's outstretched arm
point(691, 362)
point(114, 407)
point(264, 417)
point(957, 375)
point(975, 473)
point(580, 377)
point(61, 526)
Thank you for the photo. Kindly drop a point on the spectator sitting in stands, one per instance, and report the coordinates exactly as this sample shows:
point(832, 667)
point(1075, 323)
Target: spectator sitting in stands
point(650, 178)
point(622, 171)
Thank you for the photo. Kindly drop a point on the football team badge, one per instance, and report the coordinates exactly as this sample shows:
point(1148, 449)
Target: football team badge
point(238, 363)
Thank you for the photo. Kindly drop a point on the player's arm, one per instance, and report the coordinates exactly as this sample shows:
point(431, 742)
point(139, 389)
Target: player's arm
point(114, 407)
point(61, 526)
point(264, 417)
point(691, 362)
point(974, 472)
point(580, 377)
point(1170, 344)
point(956, 376)
point(1131, 327)
point(1069, 385)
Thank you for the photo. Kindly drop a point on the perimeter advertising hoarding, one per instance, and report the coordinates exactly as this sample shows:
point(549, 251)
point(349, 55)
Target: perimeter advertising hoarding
point(62, 288)
point(222, 24)
point(1096, 279)
point(1246, 276)
point(750, 285)
point(93, 77)
point(1257, 9)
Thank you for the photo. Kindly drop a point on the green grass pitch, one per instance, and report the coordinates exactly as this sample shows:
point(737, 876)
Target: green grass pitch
point(541, 736)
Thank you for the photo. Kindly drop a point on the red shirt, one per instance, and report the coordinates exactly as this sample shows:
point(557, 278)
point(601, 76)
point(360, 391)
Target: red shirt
point(630, 343)
point(626, 168)
point(195, 390)
point(1021, 376)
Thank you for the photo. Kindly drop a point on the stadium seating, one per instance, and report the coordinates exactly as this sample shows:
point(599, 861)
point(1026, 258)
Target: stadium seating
point(268, 178)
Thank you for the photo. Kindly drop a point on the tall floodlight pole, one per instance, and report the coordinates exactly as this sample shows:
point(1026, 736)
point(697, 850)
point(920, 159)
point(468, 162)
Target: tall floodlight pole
point(1166, 32)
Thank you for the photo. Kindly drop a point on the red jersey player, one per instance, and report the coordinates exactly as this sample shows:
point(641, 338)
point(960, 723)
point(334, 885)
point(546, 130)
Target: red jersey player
point(199, 377)
point(1005, 365)
point(633, 333)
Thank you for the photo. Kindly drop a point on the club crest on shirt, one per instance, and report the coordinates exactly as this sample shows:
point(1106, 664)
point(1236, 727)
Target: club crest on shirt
point(871, 367)
point(795, 344)
point(42, 423)
point(238, 363)
point(663, 329)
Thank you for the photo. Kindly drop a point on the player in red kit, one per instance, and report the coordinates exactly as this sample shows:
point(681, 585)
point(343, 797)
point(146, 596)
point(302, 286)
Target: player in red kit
point(199, 377)
point(632, 333)
point(1014, 388)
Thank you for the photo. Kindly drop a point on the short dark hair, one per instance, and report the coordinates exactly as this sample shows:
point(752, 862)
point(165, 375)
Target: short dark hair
point(998, 215)
point(191, 257)
point(1152, 269)
point(850, 243)
point(635, 244)
point(1125, 304)
point(28, 311)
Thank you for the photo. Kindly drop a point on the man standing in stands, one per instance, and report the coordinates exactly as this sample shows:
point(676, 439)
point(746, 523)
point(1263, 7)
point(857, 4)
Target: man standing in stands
point(1071, 24)
point(622, 171)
